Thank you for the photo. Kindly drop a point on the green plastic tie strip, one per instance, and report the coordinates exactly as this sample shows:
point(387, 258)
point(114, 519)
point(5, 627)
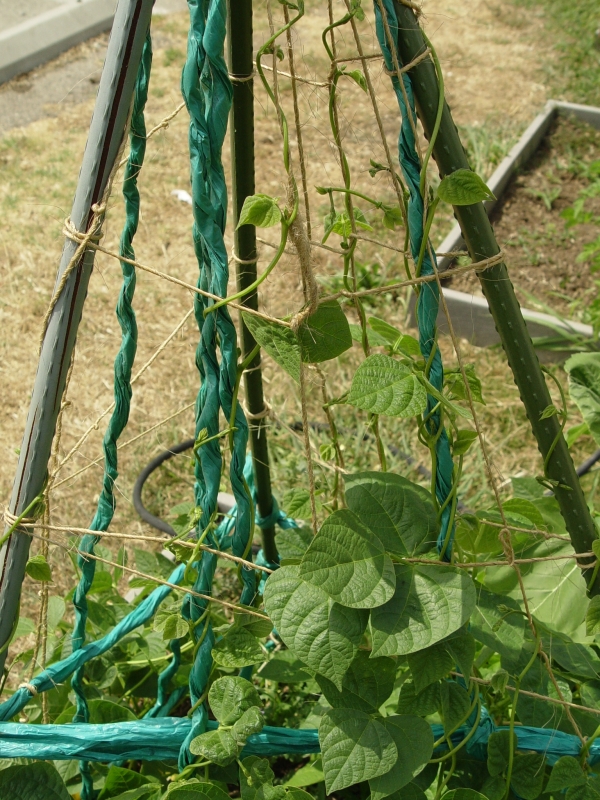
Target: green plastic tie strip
point(122, 386)
point(207, 92)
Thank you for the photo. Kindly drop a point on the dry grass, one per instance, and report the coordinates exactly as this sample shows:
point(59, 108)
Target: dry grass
point(481, 46)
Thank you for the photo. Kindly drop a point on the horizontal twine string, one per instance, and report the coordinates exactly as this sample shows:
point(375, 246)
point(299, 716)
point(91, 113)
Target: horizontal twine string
point(153, 578)
point(190, 544)
point(72, 233)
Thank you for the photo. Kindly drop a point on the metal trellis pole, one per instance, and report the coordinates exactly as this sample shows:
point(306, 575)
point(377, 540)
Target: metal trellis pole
point(499, 292)
point(107, 130)
point(241, 66)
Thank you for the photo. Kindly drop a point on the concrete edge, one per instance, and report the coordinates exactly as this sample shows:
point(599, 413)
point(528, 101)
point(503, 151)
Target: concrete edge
point(470, 314)
point(24, 47)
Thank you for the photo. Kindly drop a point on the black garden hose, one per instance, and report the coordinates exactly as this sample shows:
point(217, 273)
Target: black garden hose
point(139, 506)
point(224, 501)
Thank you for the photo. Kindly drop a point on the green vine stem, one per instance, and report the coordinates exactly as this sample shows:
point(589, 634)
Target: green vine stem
point(349, 247)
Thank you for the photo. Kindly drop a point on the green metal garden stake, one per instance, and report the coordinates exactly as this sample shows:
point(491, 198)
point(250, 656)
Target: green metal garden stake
point(498, 290)
point(241, 66)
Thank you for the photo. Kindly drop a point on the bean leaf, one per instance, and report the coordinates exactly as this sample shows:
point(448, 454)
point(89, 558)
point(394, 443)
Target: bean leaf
point(279, 342)
point(217, 746)
point(230, 696)
point(355, 748)
point(197, 791)
point(250, 722)
point(365, 687)
point(325, 334)
point(260, 210)
point(38, 569)
point(322, 634)
point(38, 781)
point(237, 648)
point(584, 388)
point(414, 741)
point(567, 772)
point(464, 188)
point(430, 603)
point(348, 562)
point(455, 705)
point(592, 617)
point(401, 512)
point(385, 386)
point(171, 624)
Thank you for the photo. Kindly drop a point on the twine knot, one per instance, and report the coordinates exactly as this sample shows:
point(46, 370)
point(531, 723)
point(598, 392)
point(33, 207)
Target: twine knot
point(94, 232)
point(30, 688)
point(506, 542)
point(241, 78)
point(11, 519)
point(239, 260)
point(266, 411)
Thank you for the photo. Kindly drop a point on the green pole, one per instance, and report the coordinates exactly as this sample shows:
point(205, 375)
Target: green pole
point(241, 67)
point(499, 292)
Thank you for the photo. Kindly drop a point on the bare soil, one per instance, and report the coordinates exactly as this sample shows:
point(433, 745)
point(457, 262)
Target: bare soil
point(542, 252)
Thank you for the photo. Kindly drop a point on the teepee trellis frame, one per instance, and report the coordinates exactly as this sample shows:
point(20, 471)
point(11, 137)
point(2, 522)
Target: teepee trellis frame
point(161, 738)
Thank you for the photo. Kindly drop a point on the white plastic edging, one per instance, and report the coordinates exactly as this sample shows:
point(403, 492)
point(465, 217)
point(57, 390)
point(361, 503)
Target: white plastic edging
point(45, 36)
point(470, 315)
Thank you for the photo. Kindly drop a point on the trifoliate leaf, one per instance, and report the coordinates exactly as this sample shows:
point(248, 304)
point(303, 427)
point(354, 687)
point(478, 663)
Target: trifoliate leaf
point(38, 781)
point(455, 705)
point(430, 665)
point(230, 696)
point(499, 681)
point(325, 334)
point(238, 648)
point(401, 512)
point(196, 790)
point(527, 779)
point(463, 441)
point(400, 342)
point(366, 686)
point(392, 216)
point(499, 747)
point(358, 77)
point(321, 633)
point(251, 721)
point(217, 746)
point(256, 781)
point(171, 624)
point(567, 772)
point(422, 703)
point(280, 343)
point(285, 667)
point(430, 603)
point(414, 741)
